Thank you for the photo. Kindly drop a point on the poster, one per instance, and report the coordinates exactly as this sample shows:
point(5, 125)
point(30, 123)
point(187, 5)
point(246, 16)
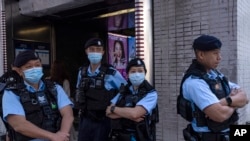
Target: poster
point(42, 49)
point(117, 22)
point(118, 52)
point(131, 20)
point(131, 48)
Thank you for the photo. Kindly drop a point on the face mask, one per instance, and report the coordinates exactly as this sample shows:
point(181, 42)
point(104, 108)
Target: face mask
point(95, 58)
point(136, 78)
point(33, 75)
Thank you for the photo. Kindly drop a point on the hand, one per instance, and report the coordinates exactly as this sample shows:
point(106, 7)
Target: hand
point(239, 98)
point(61, 136)
point(234, 92)
point(108, 110)
point(139, 119)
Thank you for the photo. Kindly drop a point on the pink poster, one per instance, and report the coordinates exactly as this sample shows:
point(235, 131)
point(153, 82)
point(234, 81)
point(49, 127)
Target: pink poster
point(118, 52)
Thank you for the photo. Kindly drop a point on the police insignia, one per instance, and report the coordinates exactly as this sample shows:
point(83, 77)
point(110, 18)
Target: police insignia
point(139, 62)
point(99, 43)
point(217, 86)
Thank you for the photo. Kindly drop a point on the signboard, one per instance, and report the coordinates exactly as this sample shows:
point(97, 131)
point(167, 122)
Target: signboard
point(42, 49)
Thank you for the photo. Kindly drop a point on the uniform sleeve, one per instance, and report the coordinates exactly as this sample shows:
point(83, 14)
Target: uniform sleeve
point(62, 98)
point(197, 91)
point(114, 81)
point(115, 99)
point(149, 101)
point(233, 85)
point(11, 105)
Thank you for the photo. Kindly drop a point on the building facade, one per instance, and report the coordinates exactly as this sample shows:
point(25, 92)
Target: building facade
point(175, 24)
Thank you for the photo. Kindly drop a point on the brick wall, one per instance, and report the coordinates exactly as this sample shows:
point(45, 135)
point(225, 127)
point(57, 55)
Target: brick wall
point(243, 51)
point(176, 24)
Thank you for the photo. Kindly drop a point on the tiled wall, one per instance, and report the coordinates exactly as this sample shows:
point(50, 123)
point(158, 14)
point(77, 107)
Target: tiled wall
point(176, 24)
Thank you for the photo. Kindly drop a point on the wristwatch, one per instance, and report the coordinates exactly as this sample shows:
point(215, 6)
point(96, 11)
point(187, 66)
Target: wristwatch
point(112, 109)
point(229, 100)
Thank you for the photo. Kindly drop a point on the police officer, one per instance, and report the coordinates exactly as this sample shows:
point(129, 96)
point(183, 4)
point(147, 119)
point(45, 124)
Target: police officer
point(131, 110)
point(214, 100)
point(36, 110)
point(97, 84)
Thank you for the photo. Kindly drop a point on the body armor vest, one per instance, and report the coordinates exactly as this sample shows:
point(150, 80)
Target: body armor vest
point(144, 130)
point(40, 109)
point(92, 94)
point(219, 86)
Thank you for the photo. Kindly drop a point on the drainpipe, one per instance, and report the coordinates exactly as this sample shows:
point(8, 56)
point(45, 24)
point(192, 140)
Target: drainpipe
point(3, 48)
point(143, 35)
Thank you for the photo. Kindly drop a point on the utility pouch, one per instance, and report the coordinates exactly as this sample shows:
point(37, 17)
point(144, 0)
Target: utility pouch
point(113, 136)
point(200, 117)
point(189, 134)
point(120, 135)
point(143, 131)
point(124, 137)
point(184, 108)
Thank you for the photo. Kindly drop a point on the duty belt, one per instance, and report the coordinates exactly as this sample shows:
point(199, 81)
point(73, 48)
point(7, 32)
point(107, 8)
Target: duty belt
point(209, 136)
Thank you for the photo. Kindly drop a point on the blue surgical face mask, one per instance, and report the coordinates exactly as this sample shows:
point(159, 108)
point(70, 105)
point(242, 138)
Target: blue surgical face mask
point(33, 75)
point(94, 57)
point(136, 78)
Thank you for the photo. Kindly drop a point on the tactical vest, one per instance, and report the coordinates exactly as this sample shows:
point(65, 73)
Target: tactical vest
point(144, 130)
point(40, 108)
point(219, 86)
point(93, 96)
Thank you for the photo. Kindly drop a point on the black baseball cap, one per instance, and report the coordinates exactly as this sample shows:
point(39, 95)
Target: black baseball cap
point(206, 43)
point(94, 42)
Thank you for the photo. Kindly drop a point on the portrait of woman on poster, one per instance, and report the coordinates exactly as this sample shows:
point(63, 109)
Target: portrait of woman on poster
point(119, 58)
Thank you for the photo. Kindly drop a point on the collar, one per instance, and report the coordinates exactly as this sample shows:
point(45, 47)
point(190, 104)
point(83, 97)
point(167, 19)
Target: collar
point(89, 73)
point(32, 89)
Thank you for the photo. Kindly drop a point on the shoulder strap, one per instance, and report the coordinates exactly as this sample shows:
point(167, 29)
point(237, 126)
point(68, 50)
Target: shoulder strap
point(51, 87)
point(145, 88)
point(107, 69)
point(83, 70)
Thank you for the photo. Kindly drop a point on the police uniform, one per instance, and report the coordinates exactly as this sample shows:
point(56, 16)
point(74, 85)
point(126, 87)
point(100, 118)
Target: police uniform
point(98, 86)
point(201, 95)
point(202, 89)
point(12, 104)
point(111, 81)
point(39, 106)
point(148, 102)
point(145, 96)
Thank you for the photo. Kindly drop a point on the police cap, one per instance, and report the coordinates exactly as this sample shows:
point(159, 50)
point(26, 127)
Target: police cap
point(94, 42)
point(206, 43)
point(136, 62)
point(25, 56)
